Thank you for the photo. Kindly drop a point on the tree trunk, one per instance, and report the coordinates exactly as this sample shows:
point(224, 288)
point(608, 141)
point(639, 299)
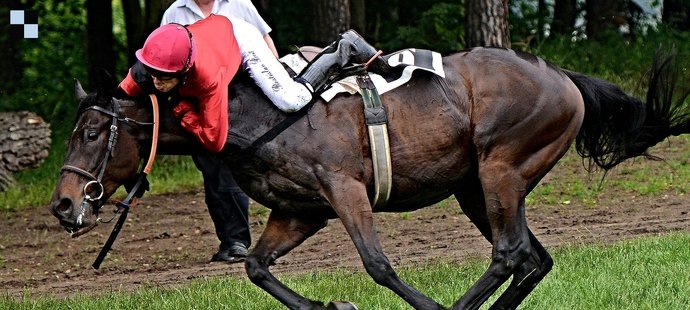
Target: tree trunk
point(134, 28)
point(487, 23)
point(542, 15)
point(11, 64)
point(140, 21)
point(602, 16)
point(100, 40)
point(564, 17)
point(331, 17)
point(358, 14)
point(677, 14)
point(24, 143)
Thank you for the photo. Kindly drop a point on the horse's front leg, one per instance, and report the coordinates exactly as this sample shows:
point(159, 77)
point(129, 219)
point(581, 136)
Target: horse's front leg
point(349, 199)
point(283, 233)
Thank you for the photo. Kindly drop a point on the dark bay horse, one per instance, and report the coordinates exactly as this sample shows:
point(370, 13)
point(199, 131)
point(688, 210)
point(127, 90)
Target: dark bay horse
point(486, 133)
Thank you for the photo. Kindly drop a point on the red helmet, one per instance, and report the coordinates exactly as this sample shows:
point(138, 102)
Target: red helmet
point(168, 49)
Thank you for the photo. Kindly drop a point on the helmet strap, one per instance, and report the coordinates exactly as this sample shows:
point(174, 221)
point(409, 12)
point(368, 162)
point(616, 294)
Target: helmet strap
point(187, 63)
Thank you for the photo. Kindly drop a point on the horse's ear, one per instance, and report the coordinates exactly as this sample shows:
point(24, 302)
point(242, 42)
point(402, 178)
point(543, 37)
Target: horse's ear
point(79, 92)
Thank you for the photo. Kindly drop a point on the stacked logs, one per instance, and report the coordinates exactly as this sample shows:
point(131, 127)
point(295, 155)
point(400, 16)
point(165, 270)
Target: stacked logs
point(24, 143)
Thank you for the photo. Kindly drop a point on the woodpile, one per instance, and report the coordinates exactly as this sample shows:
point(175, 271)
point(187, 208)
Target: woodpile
point(24, 143)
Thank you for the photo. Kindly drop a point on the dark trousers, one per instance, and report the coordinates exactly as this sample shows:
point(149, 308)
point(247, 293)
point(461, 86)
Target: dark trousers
point(227, 204)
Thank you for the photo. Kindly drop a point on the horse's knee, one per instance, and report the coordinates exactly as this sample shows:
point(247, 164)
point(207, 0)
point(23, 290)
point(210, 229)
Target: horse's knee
point(256, 270)
point(506, 261)
point(379, 268)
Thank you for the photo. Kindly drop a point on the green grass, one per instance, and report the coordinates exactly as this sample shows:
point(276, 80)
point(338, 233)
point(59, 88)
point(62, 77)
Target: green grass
point(645, 273)
point(569, 182)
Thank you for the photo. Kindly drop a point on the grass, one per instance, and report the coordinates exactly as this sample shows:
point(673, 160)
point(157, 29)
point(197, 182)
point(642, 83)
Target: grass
point(569, 182)
point(645, 273)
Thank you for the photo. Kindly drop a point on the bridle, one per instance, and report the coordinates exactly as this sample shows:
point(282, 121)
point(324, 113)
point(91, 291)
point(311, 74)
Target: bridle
point(93, 190)
point(95, 198)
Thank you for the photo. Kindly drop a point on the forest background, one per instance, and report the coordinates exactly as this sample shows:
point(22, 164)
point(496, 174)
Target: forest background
point(613, 39)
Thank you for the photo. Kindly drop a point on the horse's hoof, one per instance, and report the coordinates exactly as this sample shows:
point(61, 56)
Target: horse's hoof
point(341, 305)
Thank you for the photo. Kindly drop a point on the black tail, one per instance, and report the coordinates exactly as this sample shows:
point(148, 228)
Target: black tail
point(618, 126)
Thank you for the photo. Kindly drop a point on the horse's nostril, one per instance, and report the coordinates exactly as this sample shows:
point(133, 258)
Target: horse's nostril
point(64, 205)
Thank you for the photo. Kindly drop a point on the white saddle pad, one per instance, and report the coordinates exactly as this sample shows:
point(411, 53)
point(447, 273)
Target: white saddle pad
point(410, 59)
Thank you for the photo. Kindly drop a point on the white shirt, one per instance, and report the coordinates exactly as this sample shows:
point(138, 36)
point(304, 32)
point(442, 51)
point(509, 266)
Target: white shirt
point(187, 12)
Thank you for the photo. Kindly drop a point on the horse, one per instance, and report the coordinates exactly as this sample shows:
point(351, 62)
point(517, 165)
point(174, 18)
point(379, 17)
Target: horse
point(486, 133)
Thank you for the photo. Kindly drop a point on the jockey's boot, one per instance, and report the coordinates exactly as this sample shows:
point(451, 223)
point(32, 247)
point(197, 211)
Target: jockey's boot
point(349, 48)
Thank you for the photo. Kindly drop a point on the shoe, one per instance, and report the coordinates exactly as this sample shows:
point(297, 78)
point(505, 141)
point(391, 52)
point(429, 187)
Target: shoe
point(361, 52)
point(236, 252)
point(349, 48)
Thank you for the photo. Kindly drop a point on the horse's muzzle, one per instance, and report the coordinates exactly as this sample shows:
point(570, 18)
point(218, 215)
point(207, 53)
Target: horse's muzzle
point(70, 218)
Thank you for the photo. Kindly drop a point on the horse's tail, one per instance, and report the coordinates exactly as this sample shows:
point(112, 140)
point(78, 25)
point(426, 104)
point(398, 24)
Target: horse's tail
point(617, 126)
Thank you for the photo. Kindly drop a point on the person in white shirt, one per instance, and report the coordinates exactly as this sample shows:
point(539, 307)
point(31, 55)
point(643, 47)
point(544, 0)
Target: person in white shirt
point(227, 204)
point(189, 11)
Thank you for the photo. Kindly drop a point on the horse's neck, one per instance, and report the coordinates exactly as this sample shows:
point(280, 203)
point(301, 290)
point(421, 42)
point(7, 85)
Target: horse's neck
point(172, 138)
point(251, 114)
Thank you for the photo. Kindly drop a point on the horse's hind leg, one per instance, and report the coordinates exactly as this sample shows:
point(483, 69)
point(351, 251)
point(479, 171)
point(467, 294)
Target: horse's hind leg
point(530, 273)
point(283, 232)
point(526, 277)
point(504, 190)
point(349, 199)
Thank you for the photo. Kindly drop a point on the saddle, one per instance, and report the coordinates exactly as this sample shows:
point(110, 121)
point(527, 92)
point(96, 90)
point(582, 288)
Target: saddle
point(403, 62)
point(309, 52)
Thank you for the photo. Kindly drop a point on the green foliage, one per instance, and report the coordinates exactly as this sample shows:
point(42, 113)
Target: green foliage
point(441, 28)
point(58, 56)
point(617, 57)
point(525, 22)
point(638, 274)
point(52, 61)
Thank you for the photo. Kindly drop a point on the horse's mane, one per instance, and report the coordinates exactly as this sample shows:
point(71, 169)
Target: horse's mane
point(92, 99)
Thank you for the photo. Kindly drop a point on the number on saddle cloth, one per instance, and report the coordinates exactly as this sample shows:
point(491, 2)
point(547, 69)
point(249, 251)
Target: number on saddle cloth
point(405, 62)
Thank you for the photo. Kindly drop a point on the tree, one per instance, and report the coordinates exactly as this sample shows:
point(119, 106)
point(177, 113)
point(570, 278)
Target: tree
point(602, 16)
point(358, 16)
point(542, 14)
point(487, 23)
point(100, 39)
point(331, 17)
point(11, 64)
point(676, 13)
point(140, 21)
point(564, 16)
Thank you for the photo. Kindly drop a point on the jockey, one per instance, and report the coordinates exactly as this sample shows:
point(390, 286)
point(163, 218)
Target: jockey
point(201, 59)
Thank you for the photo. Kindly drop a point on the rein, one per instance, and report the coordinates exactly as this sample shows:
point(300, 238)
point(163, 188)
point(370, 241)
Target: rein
point(126, 204)
point(129, 201)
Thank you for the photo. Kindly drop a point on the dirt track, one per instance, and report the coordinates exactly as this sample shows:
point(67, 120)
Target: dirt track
point(168, 240)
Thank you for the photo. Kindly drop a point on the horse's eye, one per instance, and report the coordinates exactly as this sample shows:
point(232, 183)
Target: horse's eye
point(91, 135)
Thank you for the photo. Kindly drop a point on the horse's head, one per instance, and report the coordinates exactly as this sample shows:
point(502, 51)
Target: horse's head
point(103, 153)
